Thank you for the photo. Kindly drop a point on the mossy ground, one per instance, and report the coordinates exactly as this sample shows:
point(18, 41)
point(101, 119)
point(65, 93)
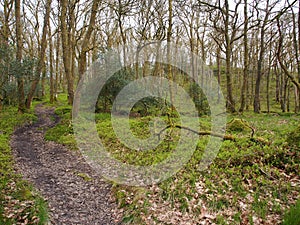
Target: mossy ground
point(19, 202)
point(249, 182)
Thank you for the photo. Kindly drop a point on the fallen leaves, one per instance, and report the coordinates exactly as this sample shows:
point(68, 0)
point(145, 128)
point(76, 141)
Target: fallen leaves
point(19, 211)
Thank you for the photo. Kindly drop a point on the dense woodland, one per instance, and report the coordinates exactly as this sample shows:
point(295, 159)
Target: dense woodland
point(251, 46)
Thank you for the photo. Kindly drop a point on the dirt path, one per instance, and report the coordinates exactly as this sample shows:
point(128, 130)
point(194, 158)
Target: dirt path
point(58, 174)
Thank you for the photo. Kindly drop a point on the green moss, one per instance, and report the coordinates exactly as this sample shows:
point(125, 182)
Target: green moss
point(63, 110)
point(84, 176)
point(293, 138)
point(57, 132)
point(63, 132)
point(17, 197)
point(238, 125)
point(244, 171)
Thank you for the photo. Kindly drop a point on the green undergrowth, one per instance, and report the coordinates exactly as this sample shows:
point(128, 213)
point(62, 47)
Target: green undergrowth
point(19, 203)
point(63, 132)
point(292, 216)
point(294, 137)
point(249, 182)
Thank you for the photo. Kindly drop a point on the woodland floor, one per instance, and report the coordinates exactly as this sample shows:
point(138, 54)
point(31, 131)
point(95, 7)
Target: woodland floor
point(74, 192)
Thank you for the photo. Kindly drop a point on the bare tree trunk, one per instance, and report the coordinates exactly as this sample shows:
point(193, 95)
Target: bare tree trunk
point(280, 60)
point(84, 50)
point(256, 104)
point(284, 83)
point(246, 55)
point(268, 90)
point(66, 50)
point(51, 66)
point(169, 36)
point(297, 89)
point(43, 83)
point(57, 65)
point(4, 41)
point(219, 72)
point(230, 104)
point(41, 61)
point(288, 96)
point(19, 39)
point(86, 39)
point(71, 36)
point(277, 77)
point(296, 50)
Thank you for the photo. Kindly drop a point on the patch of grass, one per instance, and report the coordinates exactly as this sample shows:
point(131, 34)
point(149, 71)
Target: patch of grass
point(84, 176)
point(18, 200)
point(63, 132)
point(293, 138)
point(247, 175)
point(57, 132)
point(64, 111)
point(292, 216)
point(140, 129)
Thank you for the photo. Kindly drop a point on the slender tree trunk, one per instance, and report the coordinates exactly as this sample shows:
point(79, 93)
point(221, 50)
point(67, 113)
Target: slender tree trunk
point(71, 36)
point(57, 66)
point(83, 54)
point(51, 67)
point(288, 96)
point(230, 104)
point(169, 37)
point(123, 36)
point(4, 41)
point(268, 77)
point(268, 90)
point(279, 58)
point(66, 50)
point(297, 91)
point(86, 40)
point(296, 50)
point(43, 83)
point(42, 53)
point(219, 72)
point(297, 102)
point(277, 77)
point(19, 39)
point(246, 55)
point(256, 104)
point(284, 83)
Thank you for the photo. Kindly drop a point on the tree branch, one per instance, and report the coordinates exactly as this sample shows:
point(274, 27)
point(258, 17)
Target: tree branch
point(200, 133)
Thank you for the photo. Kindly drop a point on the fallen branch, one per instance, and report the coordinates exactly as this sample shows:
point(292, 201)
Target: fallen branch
point(257, 140)
point(200, 133)
point(267, 174)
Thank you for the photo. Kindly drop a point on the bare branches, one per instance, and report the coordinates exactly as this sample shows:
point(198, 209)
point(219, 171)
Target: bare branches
point(280, 60)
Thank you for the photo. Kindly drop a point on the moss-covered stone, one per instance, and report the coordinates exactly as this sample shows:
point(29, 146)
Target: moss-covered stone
point(238, 125)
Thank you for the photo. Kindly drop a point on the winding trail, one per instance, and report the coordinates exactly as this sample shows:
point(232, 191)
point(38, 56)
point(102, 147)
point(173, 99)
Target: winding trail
point(60, 175)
